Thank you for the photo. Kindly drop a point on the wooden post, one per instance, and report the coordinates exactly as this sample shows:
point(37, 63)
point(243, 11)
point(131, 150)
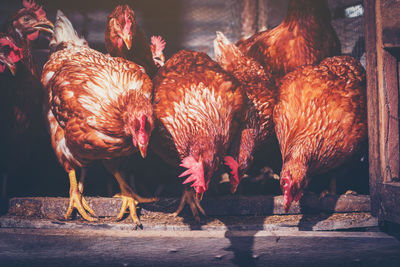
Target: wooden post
point(249, 18)
point(383, 106)
point(262, 24)
point(372, 104)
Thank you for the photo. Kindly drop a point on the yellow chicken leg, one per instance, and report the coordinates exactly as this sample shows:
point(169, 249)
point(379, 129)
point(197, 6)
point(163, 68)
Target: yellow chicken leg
point(188, 197)
point(129, 199)
point(77, 201)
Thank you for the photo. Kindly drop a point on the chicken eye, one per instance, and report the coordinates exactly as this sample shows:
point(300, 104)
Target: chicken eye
point(136, 125)
point(6, 50)
point(147, 126)
point(26, 19)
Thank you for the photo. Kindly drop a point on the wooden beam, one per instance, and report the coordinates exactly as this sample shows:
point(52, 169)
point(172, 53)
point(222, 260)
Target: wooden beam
point(389, 103)
point(383, 108)
point(390, 202)
point(390, 23)
point(249, 18)
point(375, 174)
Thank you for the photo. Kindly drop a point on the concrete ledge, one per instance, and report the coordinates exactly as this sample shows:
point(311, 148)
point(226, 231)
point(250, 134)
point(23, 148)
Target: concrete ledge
point(164, 222)
point(54, 208)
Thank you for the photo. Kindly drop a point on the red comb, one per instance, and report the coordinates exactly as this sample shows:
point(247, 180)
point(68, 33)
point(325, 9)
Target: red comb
point(195, 172)
point(128, 22)
point(158, 43)
point(142, 122)
point(143, 136)
point(287, 183)
point(16, 52)
point(38, 10)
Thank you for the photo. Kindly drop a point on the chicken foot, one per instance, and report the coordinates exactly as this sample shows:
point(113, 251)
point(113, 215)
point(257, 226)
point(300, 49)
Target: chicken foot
point(129, 199)
point(188, 197)
point(76, 200)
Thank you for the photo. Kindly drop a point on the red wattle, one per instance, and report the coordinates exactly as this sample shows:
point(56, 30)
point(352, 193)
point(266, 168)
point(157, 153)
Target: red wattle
point(120, 43)
point(33, 36)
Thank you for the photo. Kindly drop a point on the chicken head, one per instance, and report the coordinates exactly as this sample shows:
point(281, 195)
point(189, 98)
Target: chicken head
point(140, 125)
point(121, 29)
point(292, 189)
point(157, 47)
point(29, 21)
point(9, 54)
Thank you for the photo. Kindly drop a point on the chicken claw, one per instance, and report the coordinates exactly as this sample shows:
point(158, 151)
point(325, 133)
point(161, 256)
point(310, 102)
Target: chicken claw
point(77, 201)
point(193, 202)
point(129, 200)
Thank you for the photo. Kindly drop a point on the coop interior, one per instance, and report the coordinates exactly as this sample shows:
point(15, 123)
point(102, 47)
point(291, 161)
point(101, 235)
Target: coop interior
point(189, 24)
point(347, 216)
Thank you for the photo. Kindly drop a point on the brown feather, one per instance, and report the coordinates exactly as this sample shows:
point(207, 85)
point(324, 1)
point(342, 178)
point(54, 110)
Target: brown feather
point(320, 119)
point(304, 37)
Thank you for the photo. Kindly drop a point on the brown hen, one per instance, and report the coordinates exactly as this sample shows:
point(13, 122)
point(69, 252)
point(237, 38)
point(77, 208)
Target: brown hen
point(320, 120)
point(305, 36)
point(261, 92)
point(24, 26)
point(124, 38)
point(199, 107)
point(25, 141)
point(100, 109)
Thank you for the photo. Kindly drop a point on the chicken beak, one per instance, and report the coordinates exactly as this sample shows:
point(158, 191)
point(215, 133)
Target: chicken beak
point(143, 149)
point(44, 25)
point(199, 196)
point(12, 67)
point(128, 41)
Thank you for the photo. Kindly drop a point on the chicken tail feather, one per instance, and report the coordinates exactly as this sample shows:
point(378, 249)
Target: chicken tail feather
point(65, 32)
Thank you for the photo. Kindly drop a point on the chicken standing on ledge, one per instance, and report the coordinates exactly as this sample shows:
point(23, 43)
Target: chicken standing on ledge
point(304, 37)
point(102, 107)
point(320, 120)
point(261, 92)
point(124, 38)
point(199, 108)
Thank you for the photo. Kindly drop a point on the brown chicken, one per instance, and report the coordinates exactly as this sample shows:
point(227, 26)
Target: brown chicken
point(124, 38)
point(199, 108)
point(10, 54)
point(100, 109)
point(320, 120)
point(25, 141)
point(24, 26)
point(261, 92)
point(305, 36)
